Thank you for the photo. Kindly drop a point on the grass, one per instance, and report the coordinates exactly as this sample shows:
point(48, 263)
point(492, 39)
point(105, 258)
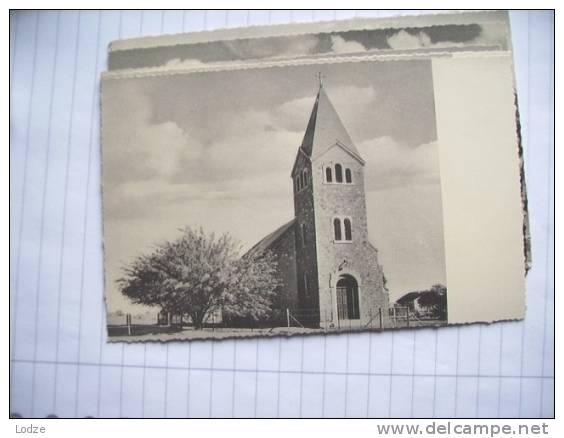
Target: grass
point(154, 332)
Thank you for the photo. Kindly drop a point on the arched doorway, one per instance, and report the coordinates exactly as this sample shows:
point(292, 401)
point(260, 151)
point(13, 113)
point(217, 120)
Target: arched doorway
point(347, 298)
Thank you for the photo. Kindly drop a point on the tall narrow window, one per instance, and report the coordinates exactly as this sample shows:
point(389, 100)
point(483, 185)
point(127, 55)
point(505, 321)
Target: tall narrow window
point(296, 180)
point(304, 238)
point(298, 187)
point(306, 288)
point(348, 176)
point(338, 173)
point(328, 175)
point(301, 181)
point(306, 179)
point(337, 228)
point(348, 229)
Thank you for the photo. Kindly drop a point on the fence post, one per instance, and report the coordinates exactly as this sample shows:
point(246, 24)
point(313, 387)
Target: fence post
point(380, 317)
point(128, 322)
point(213, 321)
point(288, 317)
point(407, 315)
point(325, 313)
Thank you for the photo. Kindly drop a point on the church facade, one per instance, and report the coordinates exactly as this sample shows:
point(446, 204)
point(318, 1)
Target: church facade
point(328, 268)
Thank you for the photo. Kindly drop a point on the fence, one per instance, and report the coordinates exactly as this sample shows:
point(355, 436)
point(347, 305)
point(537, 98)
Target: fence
point(327, 320)
point(302, 318)
point(377, 318)
point(135, 325)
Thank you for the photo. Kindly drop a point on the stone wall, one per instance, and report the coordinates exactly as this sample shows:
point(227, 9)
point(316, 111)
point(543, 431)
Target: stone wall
point(357, 258)
point(306, 252)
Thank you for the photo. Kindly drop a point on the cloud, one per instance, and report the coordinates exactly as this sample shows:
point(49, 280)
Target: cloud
point(349, 101)
point(298, 45)
point(490, 34)
point(162, 165)
point(257, 150)
point(340, 45)
point(405, 40)
point(391, 164)
point(250, 156)
point(135, 149)
point(294, 114)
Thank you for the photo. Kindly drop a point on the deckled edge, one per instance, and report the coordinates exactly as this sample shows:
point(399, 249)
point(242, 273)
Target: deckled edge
point(259, 64)
point(336, 58)
point(154, 72)
point(102, 216)
point(527, 249)
point(447, 17)
point(124, 340)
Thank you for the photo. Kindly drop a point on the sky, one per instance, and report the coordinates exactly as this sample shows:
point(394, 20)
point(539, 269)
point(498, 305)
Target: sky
point(452, 37)
point(216, 150)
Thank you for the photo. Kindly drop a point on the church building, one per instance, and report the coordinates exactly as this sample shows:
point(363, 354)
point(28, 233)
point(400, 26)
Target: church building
point(329, 270)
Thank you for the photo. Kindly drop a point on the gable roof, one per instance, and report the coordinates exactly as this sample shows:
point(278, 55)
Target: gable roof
point(324, 130)
point(270, 239)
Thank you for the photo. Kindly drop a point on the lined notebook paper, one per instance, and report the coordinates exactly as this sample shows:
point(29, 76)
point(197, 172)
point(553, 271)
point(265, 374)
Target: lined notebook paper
point(60, 361)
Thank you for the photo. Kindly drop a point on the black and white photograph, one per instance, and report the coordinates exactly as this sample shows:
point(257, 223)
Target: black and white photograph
point(446, 33)
point(294, 196)
point(282, 200)
point(282, 214)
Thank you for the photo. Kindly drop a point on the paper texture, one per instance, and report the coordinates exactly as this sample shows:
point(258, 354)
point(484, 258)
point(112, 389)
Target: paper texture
point(60, 362)
point(400, 187)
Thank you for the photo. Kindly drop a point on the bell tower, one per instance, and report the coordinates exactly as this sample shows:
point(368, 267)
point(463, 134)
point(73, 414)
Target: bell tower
point(339, 279)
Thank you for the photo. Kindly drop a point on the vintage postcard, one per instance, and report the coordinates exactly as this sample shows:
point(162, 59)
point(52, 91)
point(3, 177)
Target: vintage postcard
point(468, 31)
point(279, 192)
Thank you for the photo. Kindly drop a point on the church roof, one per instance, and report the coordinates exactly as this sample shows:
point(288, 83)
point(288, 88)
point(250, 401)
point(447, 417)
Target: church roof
point(271, 238)
point(325, 129)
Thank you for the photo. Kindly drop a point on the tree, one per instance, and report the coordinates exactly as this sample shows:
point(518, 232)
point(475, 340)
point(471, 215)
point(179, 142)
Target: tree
point(199, 274)
point(436, 300)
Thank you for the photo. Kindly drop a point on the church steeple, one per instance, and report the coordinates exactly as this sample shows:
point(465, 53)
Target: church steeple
point(325, 130)
point(333, 255)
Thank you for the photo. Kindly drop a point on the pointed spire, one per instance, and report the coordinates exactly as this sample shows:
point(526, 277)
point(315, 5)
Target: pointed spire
point(325, 128)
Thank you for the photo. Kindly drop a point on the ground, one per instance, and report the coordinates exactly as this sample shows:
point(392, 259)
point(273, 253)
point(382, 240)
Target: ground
point(163, 334)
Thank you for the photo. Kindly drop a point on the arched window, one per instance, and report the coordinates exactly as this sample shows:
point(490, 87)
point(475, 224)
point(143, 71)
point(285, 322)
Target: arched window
point(348, 176)
point(304, 239)
point(328, 175)
point(338, 173)
point(337, 228)
point(348, 229)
